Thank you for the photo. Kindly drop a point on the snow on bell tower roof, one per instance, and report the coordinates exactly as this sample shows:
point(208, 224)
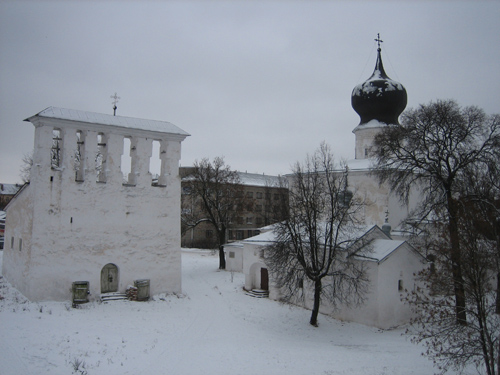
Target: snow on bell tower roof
point(109, 120)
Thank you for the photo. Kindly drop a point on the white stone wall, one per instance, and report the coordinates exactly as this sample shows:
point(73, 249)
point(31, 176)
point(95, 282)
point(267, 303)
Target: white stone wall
point(71, 229)
point(234, 257)
point(384, 306)
point(364, 141)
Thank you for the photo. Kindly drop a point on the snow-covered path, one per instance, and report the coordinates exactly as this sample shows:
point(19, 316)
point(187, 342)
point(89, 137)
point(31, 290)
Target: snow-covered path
point(213, 328)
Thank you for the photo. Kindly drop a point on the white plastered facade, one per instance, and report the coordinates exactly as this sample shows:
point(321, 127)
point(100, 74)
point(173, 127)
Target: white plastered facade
point(66, 226)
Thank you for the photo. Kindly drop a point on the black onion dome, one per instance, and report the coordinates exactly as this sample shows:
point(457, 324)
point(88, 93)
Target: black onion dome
point(379, 97)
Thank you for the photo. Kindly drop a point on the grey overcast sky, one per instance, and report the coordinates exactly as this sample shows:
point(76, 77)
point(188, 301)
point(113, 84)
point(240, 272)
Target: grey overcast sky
point(261, 83)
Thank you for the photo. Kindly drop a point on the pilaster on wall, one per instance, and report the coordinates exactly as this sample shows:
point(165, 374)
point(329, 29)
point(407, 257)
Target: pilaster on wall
point(171, 162)
point(69, 147)
point(89, 158)
point(140, 152)
point(169, 155)
point(114, 146)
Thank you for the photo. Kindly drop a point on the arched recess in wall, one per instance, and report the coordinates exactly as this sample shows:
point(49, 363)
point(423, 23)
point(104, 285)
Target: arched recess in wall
point(259, 276)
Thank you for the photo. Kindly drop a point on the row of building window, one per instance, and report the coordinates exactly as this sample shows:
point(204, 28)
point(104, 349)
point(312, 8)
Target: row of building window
point(234, 234)
point(260, 195)
point(248, 221)
point(240, 234)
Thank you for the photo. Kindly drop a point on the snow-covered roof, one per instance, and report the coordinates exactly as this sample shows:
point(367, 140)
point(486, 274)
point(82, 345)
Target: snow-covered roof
point(254, 179)
point(381, 249)
point(360, 164)
point(237, 244)
point(104, 119)
point(2, 215)
point(262, 239)
point(9, 189)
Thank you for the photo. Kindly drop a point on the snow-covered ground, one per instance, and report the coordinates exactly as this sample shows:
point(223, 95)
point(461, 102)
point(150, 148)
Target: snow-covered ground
point(213, 328)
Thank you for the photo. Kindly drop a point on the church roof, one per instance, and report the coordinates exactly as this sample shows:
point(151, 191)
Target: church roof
point(381, 249)
point(379, 97)
point(104, 119)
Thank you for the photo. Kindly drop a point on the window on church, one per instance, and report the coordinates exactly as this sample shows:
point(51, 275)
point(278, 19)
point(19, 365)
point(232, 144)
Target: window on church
point(12, 242)
point(345, 197)
point(55, 152)
point(400, 285)
point(20, 244)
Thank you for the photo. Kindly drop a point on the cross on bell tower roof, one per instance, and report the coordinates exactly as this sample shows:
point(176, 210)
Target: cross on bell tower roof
point(116, 98)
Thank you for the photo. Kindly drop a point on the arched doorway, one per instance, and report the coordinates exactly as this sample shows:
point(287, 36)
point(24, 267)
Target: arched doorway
point(109, 278)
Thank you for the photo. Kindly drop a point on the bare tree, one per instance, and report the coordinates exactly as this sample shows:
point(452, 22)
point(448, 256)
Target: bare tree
point(432, 148)
point(315, 240)
point(217, 190)
point(27, 163)
point(449, 344)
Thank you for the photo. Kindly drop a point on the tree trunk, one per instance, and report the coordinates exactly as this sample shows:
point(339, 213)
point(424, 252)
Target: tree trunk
point(221, 235)
point(222, 258)
point(497, 302)
point(317, 299)
point(498, 356)
point(456, 263)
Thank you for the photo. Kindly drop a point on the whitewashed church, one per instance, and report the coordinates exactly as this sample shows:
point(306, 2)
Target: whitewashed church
point(82, 219)
point(393, 262)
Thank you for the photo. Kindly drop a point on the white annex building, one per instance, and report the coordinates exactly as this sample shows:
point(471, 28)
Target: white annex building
point(82, 219)
point(393, 262)
point(390, 267)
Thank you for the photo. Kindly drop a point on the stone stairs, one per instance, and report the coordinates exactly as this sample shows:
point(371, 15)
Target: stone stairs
point(114, 296)
point(257, 293)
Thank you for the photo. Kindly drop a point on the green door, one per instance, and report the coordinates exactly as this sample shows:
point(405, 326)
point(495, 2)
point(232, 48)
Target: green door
point(109, 278)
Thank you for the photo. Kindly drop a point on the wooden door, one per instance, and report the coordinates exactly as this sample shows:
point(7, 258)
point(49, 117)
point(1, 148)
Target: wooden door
point(264, 279)
point(109, 278)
